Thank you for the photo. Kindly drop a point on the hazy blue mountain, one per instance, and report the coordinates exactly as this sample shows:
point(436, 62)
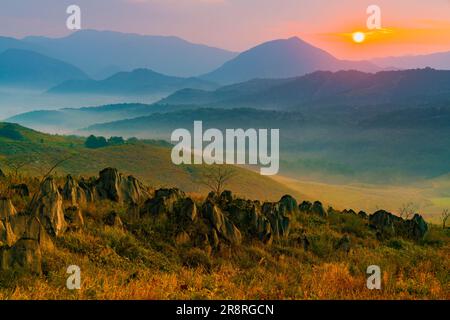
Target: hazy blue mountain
point(225, 93)
point(11, 43)
point(68, 119)
point(139, 81)
point(282, 59)
point(164, 122)
point(440, 60)
point(24, 68)
point(96, 51)
point(388, 89)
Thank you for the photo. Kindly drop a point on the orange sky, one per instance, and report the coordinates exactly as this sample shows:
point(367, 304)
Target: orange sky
point(409, 26)
point(426, 37)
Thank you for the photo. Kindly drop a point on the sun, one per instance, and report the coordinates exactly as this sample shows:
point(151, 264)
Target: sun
point(358, 37)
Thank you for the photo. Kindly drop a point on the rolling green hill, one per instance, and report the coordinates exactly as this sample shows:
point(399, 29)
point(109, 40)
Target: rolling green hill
point(147, 160)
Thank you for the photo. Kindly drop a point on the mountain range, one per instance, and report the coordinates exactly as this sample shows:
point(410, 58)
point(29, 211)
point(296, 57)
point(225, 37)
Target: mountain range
point(282, 58)
point(102, 53)
point(139, 81)
point(31, 69)
point(392, 89)
point(439, 60)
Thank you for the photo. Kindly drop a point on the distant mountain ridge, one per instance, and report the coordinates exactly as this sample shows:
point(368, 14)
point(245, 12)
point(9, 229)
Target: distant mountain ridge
point(325, 88)
point(438, 60)
point(138, 81)
point(96, 52)
point(28, 68)
point(282, 58)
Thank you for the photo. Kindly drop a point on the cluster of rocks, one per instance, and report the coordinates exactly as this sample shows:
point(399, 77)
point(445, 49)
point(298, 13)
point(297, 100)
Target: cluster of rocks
point(219, 220)
point(225, 218)
point(389, 225)
point(51, 211)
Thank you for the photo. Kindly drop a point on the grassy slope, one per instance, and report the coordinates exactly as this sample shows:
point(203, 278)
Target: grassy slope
point(149, 161)
point(431, 197)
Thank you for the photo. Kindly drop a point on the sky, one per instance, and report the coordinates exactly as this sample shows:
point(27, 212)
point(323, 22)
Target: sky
point(407, 26)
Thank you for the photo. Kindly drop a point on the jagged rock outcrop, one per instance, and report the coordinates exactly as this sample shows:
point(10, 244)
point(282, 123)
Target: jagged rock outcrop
point(47, 206)
point(416, 228)
point(220, 223)
point(7, 212)
point(260, 225)
point(188, 209)
point(305, 207)
point(111, 185)
point(362, 215)
point(7, 209)
point(280, 215)
point(164, 202)
point(25, 254)
point(247, 216)
point(74, 217)
point(73, 193)
point(317, 208)
point(389, 225)
point(22, 237)
point(88, 188)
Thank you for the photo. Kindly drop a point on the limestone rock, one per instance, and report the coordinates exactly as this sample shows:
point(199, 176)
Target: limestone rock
point(7, 209)
point(73, 192)
point(74, 217)
point(362, 215)
point(280, 215)
point(164, 202)
point(416, 228)
point(189, 209)
point(25, 254)
point(388, 225)
point(47, 206)
point(111, 185)
point(305, 207)
point(224, 227)
point(317, 208)
point(7, 212)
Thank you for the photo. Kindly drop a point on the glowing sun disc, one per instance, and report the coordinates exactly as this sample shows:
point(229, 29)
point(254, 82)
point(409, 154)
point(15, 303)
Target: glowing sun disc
point(359, 37)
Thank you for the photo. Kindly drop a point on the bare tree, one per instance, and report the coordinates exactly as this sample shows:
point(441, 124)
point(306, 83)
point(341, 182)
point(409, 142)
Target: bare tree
point(407, 210)
point(16, 164)
point(216, 178)
point(444, 217)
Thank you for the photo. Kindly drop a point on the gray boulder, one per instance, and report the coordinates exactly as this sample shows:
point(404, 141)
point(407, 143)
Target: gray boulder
point(223, 226)
point(111, 185)
point(165, 201)
point(25, 254)
point(73, 193)
point(47, 206)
